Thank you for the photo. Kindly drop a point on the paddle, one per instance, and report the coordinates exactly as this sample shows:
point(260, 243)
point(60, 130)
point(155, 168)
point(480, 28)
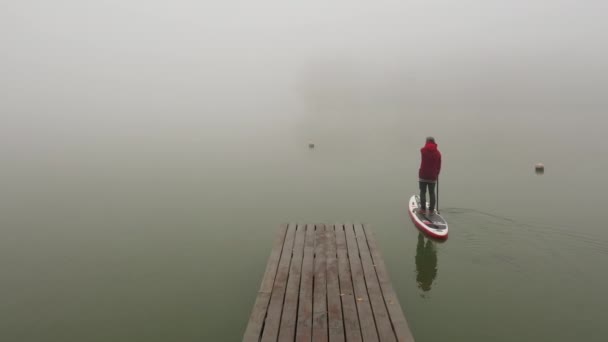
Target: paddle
point(438, 196)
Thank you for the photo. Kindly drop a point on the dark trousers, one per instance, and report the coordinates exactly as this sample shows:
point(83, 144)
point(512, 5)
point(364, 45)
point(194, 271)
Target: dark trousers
point(423, 186)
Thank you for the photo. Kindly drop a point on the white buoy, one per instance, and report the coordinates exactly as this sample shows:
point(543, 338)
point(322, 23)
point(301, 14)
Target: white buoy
point(540, 168)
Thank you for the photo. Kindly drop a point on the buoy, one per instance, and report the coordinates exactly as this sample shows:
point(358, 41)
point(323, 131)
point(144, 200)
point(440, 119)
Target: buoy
point(311, 145)
point(540, 168)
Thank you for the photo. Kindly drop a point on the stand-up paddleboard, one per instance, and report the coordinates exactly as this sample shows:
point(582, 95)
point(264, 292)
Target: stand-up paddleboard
point(432, 224)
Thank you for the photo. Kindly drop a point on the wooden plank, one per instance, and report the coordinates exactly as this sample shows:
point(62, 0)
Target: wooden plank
point(271, 324)
point(334, 303)
point(366, 316)
point(260, 308)
point(304, 328)
point(400, 326)
point(383, 322)
point(287, 328)
point(319, 323)
point(352, 329)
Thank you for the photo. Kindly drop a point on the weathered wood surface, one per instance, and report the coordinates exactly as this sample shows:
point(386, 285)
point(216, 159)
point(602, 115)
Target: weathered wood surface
point(326, 283)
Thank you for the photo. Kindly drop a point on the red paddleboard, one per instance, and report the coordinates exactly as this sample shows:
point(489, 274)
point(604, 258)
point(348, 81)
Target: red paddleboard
point(431, 224)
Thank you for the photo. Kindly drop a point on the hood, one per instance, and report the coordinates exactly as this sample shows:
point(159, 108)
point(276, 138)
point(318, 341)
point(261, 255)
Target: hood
point(430, 146)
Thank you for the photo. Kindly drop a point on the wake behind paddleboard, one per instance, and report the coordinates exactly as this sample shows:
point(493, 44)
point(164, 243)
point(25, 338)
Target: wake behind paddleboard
point(432, 224)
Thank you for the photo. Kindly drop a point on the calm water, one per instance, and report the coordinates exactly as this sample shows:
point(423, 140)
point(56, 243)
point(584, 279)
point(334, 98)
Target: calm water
point(148, 157)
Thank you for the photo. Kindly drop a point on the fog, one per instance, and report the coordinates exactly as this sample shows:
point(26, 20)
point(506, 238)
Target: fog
point(143, 142)
point(116, 81)
point(90, 65)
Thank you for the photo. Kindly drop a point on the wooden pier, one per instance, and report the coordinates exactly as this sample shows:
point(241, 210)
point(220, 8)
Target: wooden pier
point(326, 283)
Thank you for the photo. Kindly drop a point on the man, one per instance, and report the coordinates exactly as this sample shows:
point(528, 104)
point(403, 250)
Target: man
point(430, 165)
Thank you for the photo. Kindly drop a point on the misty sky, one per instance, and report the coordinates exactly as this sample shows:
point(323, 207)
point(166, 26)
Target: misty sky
point(115, 64)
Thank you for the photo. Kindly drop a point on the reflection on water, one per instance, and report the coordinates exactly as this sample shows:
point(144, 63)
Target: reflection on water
point(426, 263)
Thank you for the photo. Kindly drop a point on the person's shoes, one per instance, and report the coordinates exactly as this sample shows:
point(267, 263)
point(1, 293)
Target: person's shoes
point(422, 211)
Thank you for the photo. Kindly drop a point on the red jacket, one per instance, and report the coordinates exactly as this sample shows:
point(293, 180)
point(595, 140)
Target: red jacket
point(430, 164)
